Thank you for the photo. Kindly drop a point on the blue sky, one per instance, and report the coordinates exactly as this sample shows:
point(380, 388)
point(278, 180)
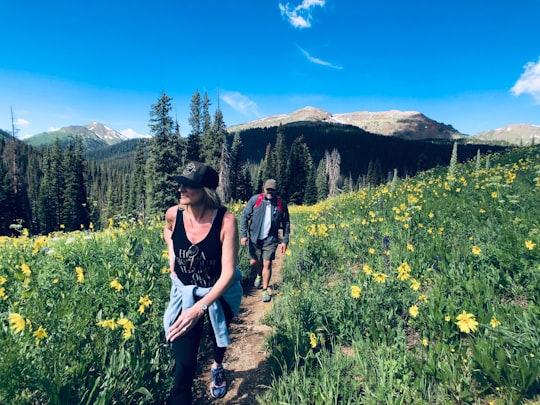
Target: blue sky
point(474, 64)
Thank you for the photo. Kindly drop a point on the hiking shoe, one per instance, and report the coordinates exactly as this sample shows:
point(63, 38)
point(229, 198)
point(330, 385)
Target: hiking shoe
point(257, 282)
point(218, 388)
point(266, 297)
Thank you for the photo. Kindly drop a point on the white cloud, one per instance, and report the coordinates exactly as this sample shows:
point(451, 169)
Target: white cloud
point(20, 122)
point(52, 129)
point(529, 81)
point(132, 134)
point(300, 16)
point(240, 103)
point(319, 61)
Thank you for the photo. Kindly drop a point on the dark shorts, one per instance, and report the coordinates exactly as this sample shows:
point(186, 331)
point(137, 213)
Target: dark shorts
point(262, 250)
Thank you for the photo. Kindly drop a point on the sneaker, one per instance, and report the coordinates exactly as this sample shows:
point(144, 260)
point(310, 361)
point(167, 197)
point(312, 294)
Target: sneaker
point(266, 297)
point(257, 283)
point(218, 388)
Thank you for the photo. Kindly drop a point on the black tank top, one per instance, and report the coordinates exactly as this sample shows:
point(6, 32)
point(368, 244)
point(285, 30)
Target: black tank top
point(198, 264)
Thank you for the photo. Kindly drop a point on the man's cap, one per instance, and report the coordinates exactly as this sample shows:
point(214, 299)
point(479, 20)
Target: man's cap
point(197, 174)
point(270, 183)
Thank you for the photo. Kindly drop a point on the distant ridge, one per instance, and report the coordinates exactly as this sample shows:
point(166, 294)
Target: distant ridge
point(410, 125)
point(517, 134)
point(94, 135)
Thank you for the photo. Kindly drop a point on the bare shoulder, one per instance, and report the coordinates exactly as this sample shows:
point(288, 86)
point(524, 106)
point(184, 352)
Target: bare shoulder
point(170, 214)
point(229, 219)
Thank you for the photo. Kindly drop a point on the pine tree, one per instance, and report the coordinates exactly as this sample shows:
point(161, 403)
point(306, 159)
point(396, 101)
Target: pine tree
point(321, 181)
point(213, 140)
point(310, 195)
point(298, 168)
point(193, 151)
point(163, 160)
point(245, 184)
point(51, 189)
point(280, 159)
point(6, 200)
point(138, 189)
point(236, 171)
point(73, 211)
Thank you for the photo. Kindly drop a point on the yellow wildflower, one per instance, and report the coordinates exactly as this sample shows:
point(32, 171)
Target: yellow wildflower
point(425, 342)
point(107, 323)
point(476, 250)
point(447, 318)
point(116, 285)
point(313, 340)
point(529, 244)
point(466, 322)
point(413, 311)
point(26, 269)
point(494, 322)
point(415, 285)
point(145, 302)
point(80, 274)
point(16, 322)
point(40, 334)
point(3, 280)
point(404, 271)
point(128, 327)
point(355, 291)
point(367, 269)
point(380, 277)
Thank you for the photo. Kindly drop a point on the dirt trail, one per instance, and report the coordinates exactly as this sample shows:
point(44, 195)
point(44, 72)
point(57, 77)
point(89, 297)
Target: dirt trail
point(245, 361)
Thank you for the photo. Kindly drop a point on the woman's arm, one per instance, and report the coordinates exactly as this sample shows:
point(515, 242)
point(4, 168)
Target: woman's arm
point(229, 242)
point(170, 221)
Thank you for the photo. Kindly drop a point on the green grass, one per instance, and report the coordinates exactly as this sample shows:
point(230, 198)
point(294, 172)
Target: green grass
point(373, 284)
point(421, 254)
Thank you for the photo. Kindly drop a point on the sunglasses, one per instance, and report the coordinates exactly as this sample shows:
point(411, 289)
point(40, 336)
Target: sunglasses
point(191, 253)
point(270, 190)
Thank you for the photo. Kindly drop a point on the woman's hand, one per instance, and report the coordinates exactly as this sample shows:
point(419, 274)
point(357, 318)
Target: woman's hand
point(185, 322)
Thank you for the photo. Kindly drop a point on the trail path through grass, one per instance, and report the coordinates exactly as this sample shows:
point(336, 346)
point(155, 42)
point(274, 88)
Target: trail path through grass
point(245, 361)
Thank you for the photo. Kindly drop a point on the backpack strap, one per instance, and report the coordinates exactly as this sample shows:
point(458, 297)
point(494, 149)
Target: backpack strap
point(261, 197)
point(259, 200)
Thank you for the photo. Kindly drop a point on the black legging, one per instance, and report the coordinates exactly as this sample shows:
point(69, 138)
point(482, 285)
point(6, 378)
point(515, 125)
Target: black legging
point(185, 352)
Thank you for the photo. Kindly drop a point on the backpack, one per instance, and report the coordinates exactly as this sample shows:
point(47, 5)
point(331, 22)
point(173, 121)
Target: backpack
point(261, 197)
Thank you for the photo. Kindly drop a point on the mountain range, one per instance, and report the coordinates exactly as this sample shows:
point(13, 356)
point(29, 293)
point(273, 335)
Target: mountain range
point(94, 135)
point(410, 125)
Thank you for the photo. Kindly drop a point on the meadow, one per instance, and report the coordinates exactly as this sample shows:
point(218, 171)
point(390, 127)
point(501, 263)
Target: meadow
point(422, 291)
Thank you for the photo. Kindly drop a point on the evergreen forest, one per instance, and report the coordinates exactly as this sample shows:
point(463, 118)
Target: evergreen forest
point(69, 186)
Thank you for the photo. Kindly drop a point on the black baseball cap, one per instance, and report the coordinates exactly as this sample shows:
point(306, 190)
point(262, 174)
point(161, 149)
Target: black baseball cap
point(197, 174)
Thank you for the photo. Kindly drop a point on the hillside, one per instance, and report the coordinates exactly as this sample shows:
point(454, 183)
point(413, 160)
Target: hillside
point(358, 148)
point(94, 136)
point(410, 125)
point(518, 134)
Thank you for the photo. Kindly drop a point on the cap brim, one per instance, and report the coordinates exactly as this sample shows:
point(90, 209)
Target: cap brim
point(185, 181)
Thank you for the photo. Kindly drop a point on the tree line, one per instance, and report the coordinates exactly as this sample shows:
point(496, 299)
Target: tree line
point(63, 187)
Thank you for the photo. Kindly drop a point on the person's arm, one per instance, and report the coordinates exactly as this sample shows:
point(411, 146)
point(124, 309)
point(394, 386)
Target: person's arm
point(286, 224)
point(229, 241)
point(170, 220)
point(244, 221)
